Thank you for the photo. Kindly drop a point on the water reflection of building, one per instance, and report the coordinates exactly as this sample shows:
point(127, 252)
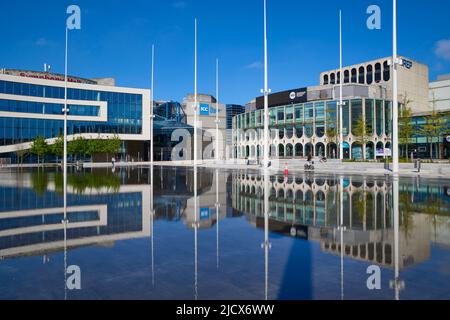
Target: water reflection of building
point(30, 222)
point(308, 207)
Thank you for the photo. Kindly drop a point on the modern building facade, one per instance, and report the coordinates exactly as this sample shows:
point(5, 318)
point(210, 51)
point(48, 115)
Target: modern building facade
point(31, 105)
point(206, 117)
point(305, 121)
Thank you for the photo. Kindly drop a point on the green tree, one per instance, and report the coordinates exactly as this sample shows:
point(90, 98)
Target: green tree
point(406, 128)
point(77, 147)
point(434, 126)
point(362, 134)
point(39, 148)
point(93, 147)
point(113, 145)
point(58, 147)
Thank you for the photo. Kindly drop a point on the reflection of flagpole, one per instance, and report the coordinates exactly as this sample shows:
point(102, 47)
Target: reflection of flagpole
point(217, 217)
point(341, 228)
point(266, 245)
point(152, 216)
point(195, 235)
point(397, 284)
point(65, 222)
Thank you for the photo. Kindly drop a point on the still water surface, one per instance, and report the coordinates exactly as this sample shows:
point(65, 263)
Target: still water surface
point(182, 237)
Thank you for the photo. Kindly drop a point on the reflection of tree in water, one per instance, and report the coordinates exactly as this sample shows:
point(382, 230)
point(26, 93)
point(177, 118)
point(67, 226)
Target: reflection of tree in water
point(39, 181)
point(80, 183)
point(406, 211)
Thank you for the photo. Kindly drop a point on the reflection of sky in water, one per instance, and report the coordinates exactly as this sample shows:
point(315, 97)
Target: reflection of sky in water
point(121, 268)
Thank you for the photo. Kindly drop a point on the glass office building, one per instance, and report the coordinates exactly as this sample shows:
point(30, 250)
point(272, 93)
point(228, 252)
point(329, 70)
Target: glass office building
point(32, 107)
point(311, 128)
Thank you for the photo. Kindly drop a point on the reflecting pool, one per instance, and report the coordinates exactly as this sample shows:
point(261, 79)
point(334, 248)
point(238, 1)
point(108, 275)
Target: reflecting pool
point(183, 233)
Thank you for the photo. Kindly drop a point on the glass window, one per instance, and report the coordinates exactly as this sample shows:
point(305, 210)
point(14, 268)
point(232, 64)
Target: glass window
point(386, 72)
point(357, 113)
point(280, 114)
point(354, 75)
point(378, 72)
point(309, 120)
point(369, 114)
point(345, 118)
point(379, 117)
point(320, 119)
point(299, 113)
point(331, 115)
point(289, 114)
point(362, 75)
point(387, 117)
point(369, 74)
point(346, 76)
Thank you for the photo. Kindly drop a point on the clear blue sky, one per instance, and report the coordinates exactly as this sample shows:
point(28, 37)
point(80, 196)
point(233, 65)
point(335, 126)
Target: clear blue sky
point(116, 38)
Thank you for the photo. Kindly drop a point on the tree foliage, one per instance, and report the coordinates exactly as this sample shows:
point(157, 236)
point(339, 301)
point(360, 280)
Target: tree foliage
point(39, 147)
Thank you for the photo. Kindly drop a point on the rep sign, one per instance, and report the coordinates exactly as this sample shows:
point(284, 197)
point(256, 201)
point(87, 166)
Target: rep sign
point(204, 109)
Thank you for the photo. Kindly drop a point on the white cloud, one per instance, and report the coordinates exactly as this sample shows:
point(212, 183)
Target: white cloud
point(254, 65)
point(180, 4)
point(43, 42)
point(442, 49)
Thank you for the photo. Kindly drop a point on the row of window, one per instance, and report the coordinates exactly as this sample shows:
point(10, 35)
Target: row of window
point(18, 130)
point(26, 89)
point(321, 116)
point(362, 75)
point(47, 108)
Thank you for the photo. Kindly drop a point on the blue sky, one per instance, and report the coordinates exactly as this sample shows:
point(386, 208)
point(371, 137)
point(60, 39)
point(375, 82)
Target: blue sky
point(116, 37)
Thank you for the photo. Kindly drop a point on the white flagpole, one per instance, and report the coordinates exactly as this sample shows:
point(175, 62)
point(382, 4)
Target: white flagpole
point(196, 110)
point(65, 120)
point(266, 93)
point(395, 168)
point(65, 221)
point(152, 115)
point(341, 118)
point(217, 110)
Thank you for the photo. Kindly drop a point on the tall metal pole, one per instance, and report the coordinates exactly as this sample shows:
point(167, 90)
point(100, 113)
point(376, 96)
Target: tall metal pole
point(341, 117)
point(395, 167)
point(266, 93)
point(342, 228)
point(195, 98)
point(217, 110)
point(65, 121)
point(65, 221)
point(152, 114)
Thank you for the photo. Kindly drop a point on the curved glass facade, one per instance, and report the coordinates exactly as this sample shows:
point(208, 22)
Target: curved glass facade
point(313, 128)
